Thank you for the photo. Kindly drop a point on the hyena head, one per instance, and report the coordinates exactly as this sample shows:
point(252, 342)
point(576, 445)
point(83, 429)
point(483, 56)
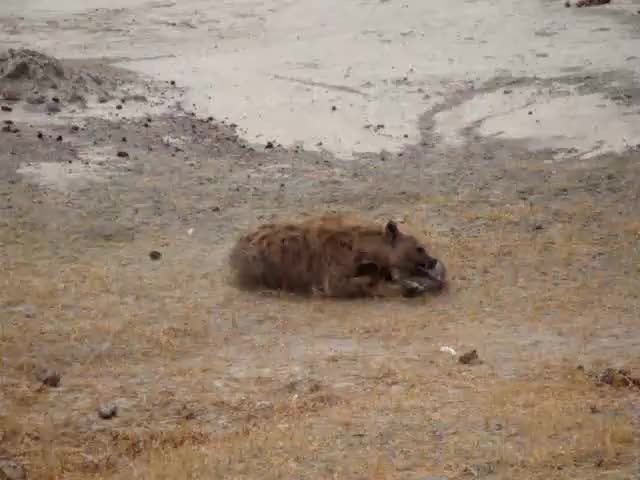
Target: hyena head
point(409, 260)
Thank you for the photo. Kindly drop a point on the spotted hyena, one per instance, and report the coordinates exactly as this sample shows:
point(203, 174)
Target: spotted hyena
point(335, 257)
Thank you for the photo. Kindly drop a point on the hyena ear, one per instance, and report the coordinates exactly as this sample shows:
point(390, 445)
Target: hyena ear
point(392, 231)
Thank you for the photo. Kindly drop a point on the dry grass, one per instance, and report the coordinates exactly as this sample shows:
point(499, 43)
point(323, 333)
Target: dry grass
point(216, 383)
point(530, 428)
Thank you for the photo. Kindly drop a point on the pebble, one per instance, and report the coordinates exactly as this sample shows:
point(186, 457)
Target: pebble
point(155, 255)
point(49, 377)
point(108, 411)
point(122, 154)
point(12, 129)
point(6, 108)
point(469, 357)
point(268, 145)
point(59, 138)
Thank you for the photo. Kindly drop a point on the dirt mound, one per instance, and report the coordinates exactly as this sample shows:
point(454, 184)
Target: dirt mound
point(38, 79)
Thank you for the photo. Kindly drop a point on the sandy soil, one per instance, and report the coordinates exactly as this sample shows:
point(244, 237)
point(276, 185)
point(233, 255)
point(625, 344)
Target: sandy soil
point(524, 180)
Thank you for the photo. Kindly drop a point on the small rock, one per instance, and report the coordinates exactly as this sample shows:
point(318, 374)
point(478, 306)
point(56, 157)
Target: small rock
point(6, 108)
point(530, 112)
point(103, 99)
point(507, 91)
point(269, 145)
point(567, 4)
point(155, 255)
point(10, 128)
point(8, 122)
point(334, 108)
point(59, 138)
point(591, 3)
point(75, 128)
point(53, 107)
point(538, 226)
point(108, 411)
point(10, 470)
point(172, 82)
point(40, 135)
point(122, 154)
point(469, 357)
point(124, 139)
point(119, 107)
point(55, 100)
point(48, 377)
point(449, 350)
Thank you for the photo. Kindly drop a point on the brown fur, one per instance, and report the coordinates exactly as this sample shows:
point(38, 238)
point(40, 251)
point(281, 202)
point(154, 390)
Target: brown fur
point(331, 256)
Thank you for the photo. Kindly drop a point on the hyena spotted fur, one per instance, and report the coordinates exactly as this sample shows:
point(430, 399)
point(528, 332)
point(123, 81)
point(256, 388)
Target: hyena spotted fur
point(335, 257)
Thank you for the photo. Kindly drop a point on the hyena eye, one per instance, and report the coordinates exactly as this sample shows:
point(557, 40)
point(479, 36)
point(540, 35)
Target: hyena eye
point(421, 251)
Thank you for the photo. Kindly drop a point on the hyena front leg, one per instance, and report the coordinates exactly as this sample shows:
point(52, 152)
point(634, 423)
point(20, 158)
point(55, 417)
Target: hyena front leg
point(404, 288)
point(350, 287)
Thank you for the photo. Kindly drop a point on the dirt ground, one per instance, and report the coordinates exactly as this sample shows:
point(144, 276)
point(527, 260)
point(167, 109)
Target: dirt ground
point(207, 381)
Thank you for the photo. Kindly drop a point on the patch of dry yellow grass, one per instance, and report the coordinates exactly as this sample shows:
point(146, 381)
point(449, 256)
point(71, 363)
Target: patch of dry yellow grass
point(539, 428)
point(205, 372)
